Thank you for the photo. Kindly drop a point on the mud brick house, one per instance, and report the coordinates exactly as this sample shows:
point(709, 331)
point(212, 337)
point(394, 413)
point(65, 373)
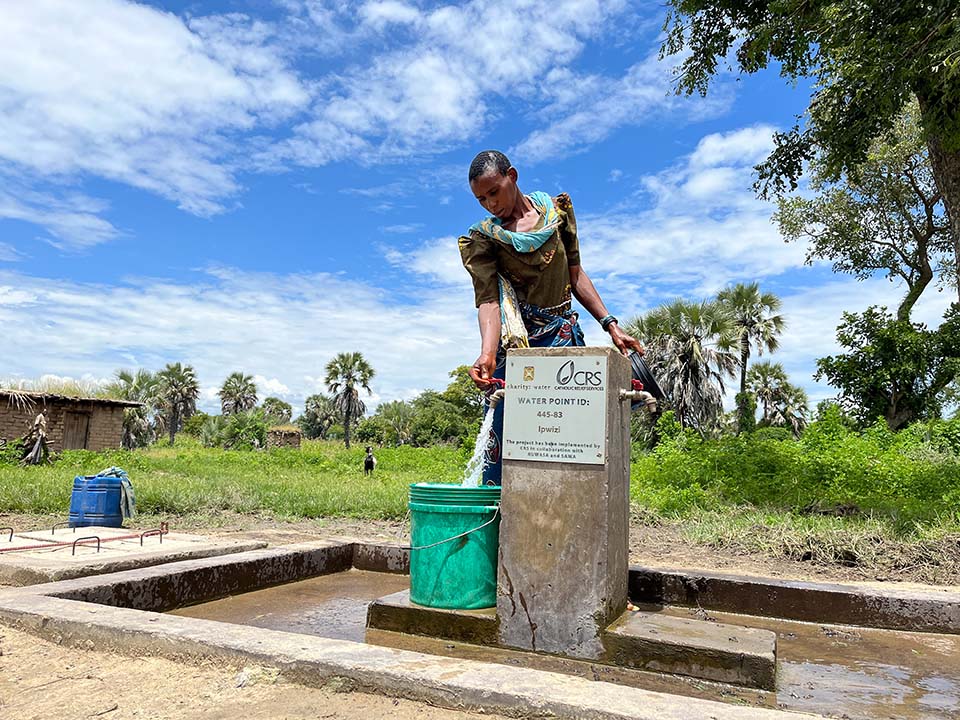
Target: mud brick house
point(73, 423)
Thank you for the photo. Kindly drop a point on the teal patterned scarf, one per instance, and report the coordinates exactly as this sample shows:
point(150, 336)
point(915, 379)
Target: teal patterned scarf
point(524, 241)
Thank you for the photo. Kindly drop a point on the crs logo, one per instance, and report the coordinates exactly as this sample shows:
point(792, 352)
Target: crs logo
point(568, 373)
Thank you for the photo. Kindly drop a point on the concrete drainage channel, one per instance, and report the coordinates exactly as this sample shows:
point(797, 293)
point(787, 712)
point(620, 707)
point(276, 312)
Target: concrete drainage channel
point(911, 669)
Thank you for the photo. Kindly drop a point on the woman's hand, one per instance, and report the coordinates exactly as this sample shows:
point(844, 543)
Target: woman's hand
point(482, 370)
point(625, 343)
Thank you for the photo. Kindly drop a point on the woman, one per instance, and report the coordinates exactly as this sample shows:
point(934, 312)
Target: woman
point(528, 247)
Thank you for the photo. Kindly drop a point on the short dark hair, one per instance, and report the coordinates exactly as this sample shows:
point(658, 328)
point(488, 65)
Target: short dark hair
point(488, 161)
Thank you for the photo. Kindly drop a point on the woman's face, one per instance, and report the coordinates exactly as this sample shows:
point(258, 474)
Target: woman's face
point(497, 193)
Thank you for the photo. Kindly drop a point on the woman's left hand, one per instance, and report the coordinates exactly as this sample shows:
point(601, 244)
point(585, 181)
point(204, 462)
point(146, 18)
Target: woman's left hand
point(625, 343)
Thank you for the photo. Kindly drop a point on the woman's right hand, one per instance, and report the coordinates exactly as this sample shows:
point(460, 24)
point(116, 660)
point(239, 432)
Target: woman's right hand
point(482, 370)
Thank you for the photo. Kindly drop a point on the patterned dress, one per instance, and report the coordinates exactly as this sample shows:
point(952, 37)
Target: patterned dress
point(541, 279)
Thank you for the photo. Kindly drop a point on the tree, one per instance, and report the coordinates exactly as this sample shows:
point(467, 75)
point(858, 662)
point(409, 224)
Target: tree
point(783, 404)
point(142, 386)
point(885, 215)
point(765, 380)
point(893, 369)
point(319, 414)
point(237, 394)
point(867, 60)
point(347, 373)
point(754, 323)
point(178, 391)
point(276, 411)
point(689, 351)
point(463, 393)
point(398, 417)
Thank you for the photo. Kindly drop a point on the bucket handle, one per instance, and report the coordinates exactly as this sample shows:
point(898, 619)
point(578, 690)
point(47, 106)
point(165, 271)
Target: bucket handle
point(496, 513)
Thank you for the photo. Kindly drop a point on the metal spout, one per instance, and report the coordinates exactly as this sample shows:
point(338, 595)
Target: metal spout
point(648, 400)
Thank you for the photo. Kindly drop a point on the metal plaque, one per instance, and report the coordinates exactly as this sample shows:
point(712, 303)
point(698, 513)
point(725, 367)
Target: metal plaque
point(556, 409)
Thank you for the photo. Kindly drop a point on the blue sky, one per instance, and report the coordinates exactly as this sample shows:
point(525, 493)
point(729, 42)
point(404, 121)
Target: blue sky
point(257, 185)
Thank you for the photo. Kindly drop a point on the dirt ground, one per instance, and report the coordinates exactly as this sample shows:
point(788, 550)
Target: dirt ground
point(43, 681)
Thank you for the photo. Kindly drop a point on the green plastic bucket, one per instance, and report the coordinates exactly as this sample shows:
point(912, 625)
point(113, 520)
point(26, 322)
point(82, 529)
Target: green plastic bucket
point(455, 534)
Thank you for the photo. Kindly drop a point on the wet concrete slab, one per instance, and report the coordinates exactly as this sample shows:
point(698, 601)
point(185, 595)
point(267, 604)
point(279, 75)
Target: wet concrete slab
point(43, 556)
point(333, 606)
point(397, 613)
point(713, 651)
point(923, 609)
point(731, 654)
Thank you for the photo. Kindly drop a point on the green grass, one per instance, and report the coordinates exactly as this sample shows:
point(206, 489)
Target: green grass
point(322, 479)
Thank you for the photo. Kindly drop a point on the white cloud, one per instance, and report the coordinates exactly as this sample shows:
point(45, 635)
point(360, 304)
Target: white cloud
point(72, 221)
point(386, 12)
point(8, 253)
point(588, 108)
point(283, 329)
point(437, 259)
point(437, 90)
point(132, 94)
point(693, 228)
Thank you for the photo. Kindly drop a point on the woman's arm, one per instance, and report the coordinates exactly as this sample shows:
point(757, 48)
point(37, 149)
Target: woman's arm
point(488, 315)
point(586, 294)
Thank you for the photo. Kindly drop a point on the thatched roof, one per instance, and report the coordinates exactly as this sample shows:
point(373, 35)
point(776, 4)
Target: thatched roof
point(43, 398)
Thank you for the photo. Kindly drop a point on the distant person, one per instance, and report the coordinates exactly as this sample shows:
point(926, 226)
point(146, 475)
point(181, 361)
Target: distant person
point(369, 462)
point(527, 249)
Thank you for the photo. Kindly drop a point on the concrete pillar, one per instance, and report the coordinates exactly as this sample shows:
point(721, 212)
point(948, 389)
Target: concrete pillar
point(563, 564)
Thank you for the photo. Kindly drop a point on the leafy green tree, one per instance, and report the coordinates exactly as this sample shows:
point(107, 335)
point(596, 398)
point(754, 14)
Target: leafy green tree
point(893, 369)
point(885, 215)
point(867, 61)
point(142, 386)
point(689, 349)
point(398, 418)
point(237, 394)
point(347, 374)
point(276, 411)
point(194, 425)
point(178, 391)
point(437, 420)
point(755, 321)
point(319, 415)
point(463, 393)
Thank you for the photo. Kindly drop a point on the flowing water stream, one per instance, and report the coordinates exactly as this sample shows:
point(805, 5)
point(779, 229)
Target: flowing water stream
point(471, 476)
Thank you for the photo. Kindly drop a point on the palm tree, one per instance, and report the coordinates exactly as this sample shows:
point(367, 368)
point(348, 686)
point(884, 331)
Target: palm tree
point(791, 410)
point(142, 386)
point(237, 394)
point(178, 391)
point(399, 417)
point(346, 373)
point(765, 382)
point(689, 350)
point(754, 321)
point(784, 404)
point(319, 414)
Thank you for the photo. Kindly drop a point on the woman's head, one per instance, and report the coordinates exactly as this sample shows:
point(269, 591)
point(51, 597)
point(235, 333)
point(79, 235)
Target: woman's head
point(493, 181)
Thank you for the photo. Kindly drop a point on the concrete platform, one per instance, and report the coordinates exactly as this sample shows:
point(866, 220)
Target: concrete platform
point(645, 641)
point(118, 612)
point(709, 650)
point(892, 607)
point(52, 561)
point(397, 614)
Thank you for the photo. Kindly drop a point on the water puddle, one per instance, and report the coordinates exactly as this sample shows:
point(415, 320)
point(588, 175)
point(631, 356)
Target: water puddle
point(836, 671)
point(331, 606)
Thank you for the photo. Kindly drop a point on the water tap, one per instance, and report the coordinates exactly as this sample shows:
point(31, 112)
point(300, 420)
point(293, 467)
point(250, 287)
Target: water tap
point(636, 393)
point(496, 391)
